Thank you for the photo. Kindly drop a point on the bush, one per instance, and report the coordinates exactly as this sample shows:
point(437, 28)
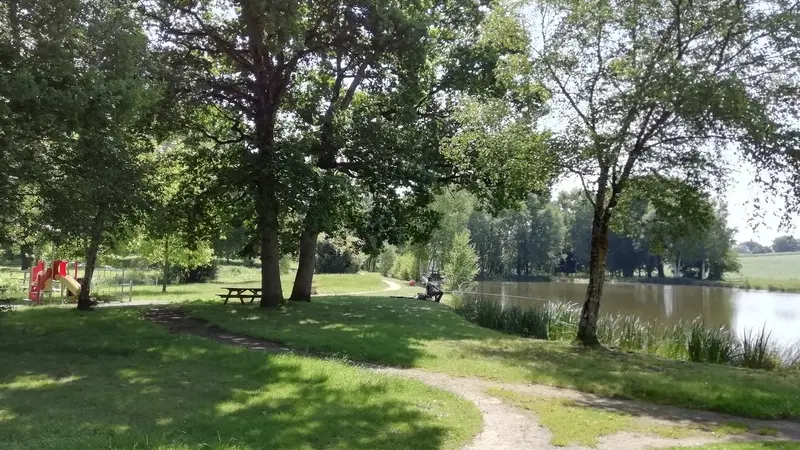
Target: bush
point(201, 274)
point(333, 260)
point(10, 290)
point(405, 267)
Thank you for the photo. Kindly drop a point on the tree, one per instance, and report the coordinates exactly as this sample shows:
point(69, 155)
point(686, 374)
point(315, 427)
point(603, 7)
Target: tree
point(753, 247)
point(386, 260)
point(462, 264)
point(90, 68)
point(783, 244)
point(166, 238)
point(578, 213)
point(546, 238)
point(434, 55)
point(235, 61)
point(663, 87)
point(708, 254)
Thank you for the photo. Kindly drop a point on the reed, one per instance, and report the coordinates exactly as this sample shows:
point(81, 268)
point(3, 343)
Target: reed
point(688, 341)
point(756, 350)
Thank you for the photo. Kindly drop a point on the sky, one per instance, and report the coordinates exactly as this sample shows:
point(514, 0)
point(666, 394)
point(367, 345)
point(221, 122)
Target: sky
point(740, 197)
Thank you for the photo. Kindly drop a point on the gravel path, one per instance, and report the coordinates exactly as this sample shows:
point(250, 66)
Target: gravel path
point(505, 426)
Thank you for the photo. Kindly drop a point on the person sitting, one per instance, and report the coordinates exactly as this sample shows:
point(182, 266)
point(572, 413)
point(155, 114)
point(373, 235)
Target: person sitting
point(433, 291)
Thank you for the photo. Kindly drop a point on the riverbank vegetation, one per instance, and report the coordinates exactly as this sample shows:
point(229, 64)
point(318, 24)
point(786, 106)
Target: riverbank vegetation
point(430, 336)
point(685, 341)
point(112, 380)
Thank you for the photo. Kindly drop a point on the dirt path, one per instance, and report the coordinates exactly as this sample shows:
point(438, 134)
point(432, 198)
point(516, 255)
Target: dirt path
point(505, 426)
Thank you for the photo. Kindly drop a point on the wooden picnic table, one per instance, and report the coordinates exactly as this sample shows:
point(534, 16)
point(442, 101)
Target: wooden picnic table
point(241, 293)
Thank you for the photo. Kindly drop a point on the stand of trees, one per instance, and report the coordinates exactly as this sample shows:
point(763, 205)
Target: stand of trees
point(543, 238)
point(781, 244)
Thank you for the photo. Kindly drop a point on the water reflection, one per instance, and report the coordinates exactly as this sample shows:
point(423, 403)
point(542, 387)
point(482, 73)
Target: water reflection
point(736, 309)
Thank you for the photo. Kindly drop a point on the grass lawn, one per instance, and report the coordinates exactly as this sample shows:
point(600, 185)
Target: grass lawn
point(431, 336)
point(109, 379)
point(772, 271)
point(324, 284)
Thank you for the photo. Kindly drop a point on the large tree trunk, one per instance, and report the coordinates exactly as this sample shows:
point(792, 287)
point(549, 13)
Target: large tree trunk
point(305, 268)
point(587, 329)
point(84, 302)
point(660, 267)
point(271, 292)
point(166, 265)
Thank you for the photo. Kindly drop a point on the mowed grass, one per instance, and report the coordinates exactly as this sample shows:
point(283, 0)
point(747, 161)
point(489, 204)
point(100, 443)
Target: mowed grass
point(109, 379)
point(771, 271)
point(324, 284)
point(570, 423)
point(412, 333)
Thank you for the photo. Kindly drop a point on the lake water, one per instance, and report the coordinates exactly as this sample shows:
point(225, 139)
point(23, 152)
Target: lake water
point(733, 308)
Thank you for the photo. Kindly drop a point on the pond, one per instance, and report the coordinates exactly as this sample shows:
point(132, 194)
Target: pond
point(734, 308)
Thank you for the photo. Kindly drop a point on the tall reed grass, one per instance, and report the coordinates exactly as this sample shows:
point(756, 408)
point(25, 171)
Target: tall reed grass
point(688, 341)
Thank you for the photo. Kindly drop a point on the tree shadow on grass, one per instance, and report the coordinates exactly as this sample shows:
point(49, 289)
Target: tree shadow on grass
point(378, 330)
point(63, 387)
point(412, 333)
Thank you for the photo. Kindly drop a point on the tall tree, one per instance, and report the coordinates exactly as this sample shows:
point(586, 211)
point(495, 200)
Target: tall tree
point(648, 86)
point(396, 86)
point(166, 237)
point(89, 65)
point(236, 60)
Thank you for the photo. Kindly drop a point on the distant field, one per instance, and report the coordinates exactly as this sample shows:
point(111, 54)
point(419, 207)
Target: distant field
point(771, 266)
point(773, 271)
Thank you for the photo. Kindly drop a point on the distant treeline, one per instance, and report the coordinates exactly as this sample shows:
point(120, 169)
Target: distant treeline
point(781, 244)
point(543, 238)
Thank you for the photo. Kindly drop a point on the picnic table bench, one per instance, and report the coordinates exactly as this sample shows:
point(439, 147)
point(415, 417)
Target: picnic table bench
point(241, 293)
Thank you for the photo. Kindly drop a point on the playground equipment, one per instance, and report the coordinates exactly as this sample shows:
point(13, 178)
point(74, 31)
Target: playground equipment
point(42, 280)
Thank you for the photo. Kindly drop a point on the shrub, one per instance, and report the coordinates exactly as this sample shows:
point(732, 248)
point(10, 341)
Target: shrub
point(10, 290)
point(333, 260)
point(790, 356)
point(201, 274)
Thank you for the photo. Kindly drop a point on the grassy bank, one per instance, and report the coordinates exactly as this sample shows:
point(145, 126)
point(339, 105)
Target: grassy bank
point(108, 379)
point(687, 341)
point(431, 336)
